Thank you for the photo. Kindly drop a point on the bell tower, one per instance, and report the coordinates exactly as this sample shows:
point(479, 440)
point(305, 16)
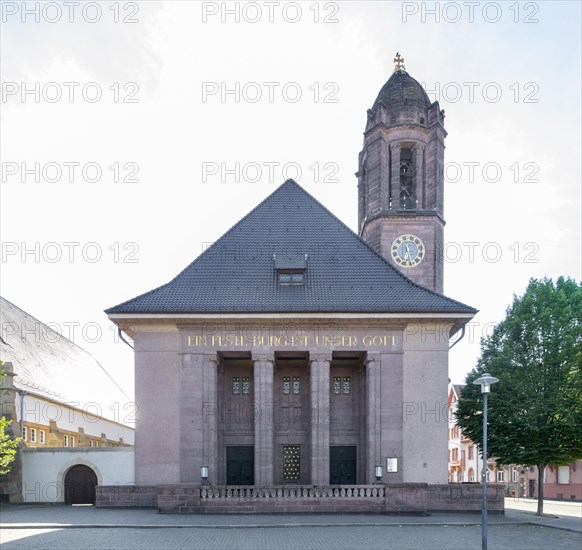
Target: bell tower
point(400, 179)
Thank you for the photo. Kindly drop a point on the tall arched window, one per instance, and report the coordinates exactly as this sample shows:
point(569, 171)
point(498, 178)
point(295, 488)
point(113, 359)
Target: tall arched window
point(407, 191)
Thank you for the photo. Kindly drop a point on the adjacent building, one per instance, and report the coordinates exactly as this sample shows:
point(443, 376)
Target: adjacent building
point(57, 396)
point(466, 466)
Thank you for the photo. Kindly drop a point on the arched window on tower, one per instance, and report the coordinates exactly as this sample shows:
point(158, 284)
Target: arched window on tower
point(407, 190)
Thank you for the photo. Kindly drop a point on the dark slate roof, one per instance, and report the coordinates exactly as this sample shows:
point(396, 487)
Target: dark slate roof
point(402, 91)
point(48, 364)
point(290, 261)
point(237, 273)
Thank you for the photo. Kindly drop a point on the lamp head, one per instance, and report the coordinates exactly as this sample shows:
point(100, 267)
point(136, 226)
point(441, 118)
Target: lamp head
point(485, 382)
point(378, 472)
point(204, 473)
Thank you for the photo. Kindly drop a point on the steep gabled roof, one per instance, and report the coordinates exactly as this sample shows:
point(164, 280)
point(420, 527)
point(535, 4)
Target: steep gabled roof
point(238, 274)
point(48, 364)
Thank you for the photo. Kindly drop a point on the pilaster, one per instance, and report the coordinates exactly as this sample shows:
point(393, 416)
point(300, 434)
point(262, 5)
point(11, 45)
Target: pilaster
point(210, 415)
point(420, 189)
point(373, 415)
point(198, 416)
point(395, 171)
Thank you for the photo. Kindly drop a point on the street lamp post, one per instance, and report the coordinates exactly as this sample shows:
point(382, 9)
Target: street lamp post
point(485, 382)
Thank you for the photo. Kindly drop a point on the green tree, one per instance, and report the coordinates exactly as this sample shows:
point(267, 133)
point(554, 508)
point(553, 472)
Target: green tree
point(535, 411)
point(8, 444)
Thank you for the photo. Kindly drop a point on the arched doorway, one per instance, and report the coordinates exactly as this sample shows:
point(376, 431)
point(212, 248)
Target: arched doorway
point(80, 483)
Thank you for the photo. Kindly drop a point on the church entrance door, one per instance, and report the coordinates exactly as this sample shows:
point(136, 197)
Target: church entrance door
point(342, 465)
point(240, 465)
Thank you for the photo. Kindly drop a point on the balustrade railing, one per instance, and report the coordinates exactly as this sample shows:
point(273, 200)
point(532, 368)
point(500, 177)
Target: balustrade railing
point(290, 492)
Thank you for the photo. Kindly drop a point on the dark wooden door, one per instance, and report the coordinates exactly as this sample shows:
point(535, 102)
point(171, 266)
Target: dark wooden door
point(80, 483)
point(342, 465)
point(532, 488)
point(240, 465)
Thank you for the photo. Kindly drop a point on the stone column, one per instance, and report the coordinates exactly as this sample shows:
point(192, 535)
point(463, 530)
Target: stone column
point(373, 415)
point(209, 417)
point(264, 432)
point(395, 180)
point(319, 383)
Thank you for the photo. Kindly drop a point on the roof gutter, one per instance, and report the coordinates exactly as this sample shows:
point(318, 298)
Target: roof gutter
point(291, 315)
point(120, 334)
point(457, 341)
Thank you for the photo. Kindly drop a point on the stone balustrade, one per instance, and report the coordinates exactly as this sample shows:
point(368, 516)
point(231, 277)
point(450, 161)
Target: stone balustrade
point(290, 492)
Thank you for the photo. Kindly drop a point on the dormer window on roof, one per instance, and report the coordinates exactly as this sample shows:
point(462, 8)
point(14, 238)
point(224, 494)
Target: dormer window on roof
point(293, 278)
point(290, 271)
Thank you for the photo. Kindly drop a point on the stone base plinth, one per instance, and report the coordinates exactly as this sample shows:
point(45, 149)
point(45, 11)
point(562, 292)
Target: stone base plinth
point(422, 498)
point(126, 496)
point(183, 498)
point(392, 498)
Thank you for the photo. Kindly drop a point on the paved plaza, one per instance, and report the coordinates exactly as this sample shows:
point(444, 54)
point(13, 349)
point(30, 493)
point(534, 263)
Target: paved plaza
point(61, 527)
point(270, 538)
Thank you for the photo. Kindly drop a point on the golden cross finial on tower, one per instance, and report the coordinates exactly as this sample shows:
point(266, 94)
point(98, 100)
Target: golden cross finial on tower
point(399, 63)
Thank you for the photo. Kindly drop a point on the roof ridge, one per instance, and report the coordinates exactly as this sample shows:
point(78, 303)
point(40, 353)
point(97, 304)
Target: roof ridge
point(46, 326)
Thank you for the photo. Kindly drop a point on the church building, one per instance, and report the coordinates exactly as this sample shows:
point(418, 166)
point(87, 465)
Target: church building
point(296, 365)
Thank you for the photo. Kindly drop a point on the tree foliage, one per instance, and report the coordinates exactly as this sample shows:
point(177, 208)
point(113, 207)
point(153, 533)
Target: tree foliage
point(8, 444)
point(535, 411)
point(8, 447)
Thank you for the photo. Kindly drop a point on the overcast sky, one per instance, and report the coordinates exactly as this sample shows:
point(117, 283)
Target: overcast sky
point(167, 97)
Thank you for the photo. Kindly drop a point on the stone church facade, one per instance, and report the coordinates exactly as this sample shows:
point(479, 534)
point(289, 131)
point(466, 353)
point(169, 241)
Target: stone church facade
point(298, 366)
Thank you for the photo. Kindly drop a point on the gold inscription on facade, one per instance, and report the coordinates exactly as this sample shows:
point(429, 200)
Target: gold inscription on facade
point(339, 341)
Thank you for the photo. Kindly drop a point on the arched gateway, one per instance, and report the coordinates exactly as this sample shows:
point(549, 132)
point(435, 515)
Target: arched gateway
point(80, 484)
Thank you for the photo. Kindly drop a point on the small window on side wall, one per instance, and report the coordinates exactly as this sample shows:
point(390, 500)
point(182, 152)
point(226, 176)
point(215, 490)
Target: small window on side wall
point(563, 475)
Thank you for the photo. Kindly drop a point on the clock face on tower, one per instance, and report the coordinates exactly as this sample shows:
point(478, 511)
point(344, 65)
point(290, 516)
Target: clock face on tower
point(407, 250)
